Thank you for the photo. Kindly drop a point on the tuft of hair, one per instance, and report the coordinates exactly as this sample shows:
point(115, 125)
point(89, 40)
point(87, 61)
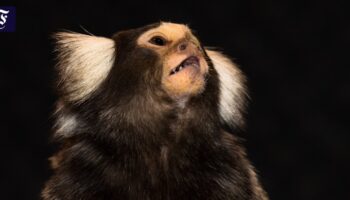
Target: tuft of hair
point(84, 62)
point(233, 95)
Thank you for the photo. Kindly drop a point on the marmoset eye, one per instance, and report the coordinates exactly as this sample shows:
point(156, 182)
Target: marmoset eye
point(158, 40)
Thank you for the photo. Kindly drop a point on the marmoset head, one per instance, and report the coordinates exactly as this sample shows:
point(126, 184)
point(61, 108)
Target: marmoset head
point(158, 61)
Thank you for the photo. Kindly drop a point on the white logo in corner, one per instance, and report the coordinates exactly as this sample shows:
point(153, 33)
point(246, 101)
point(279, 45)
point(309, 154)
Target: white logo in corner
point(3, 17)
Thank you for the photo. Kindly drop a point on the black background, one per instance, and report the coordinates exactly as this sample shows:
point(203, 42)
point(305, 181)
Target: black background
point(295, 55)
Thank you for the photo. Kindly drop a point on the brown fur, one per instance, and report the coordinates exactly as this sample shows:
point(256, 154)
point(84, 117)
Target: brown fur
point(136, 132)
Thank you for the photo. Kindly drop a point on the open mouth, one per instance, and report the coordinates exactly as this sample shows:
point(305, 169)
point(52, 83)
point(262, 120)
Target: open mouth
point(191, 61)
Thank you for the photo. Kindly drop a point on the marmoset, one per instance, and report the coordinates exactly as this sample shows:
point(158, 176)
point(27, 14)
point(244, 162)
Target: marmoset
point(142, 116)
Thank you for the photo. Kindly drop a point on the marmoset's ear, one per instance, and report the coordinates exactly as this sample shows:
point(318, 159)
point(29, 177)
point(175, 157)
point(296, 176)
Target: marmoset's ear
point(233, 94)
point(84, 61)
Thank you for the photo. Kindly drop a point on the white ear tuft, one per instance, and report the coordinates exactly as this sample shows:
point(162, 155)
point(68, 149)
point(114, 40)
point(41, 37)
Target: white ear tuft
point(232, 89)
point(84, 62)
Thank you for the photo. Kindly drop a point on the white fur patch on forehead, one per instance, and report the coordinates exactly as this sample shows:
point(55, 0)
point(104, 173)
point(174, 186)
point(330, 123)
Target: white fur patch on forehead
point(84, 62)
point(170, 31)
point(232, 89)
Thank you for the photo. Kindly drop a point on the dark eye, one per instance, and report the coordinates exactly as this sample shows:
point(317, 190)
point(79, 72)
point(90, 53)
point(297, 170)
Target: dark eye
point(157, 40)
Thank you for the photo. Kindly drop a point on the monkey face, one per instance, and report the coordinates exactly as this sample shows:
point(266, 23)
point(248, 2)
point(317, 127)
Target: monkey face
point(143, 67)
point(157, 60)
point(182, 59)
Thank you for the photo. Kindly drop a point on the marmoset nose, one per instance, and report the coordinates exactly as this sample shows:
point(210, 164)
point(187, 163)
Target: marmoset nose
point(187, 47)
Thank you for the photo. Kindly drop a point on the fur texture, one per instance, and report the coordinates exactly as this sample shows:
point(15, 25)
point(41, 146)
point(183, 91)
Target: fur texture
point(124, 137)
point(232, 89)
point(84, 62)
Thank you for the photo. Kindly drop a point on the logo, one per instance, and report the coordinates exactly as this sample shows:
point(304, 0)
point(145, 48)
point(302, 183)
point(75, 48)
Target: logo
point(7, 19)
